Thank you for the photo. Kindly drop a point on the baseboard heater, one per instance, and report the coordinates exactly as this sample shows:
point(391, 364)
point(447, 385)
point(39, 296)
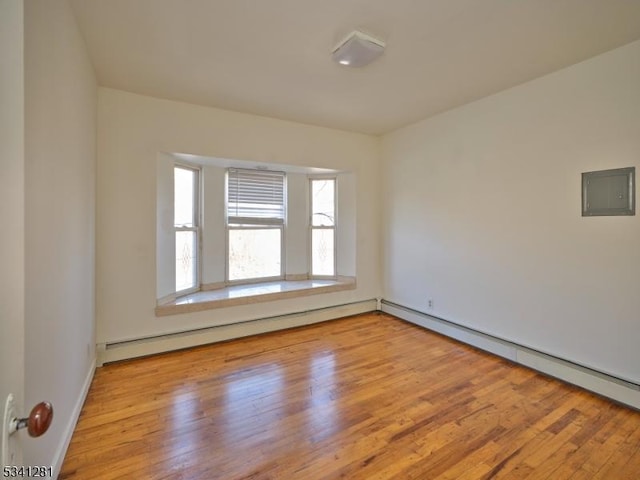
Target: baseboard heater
point(150, 345)
point(613, 387)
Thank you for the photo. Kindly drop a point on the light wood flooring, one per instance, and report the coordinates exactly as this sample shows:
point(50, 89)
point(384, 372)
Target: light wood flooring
point(366, 397)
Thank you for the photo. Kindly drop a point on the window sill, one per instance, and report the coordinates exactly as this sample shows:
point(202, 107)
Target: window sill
point(253, 293)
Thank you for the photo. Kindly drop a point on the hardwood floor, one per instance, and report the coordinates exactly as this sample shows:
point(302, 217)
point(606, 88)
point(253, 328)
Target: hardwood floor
point(366, 397)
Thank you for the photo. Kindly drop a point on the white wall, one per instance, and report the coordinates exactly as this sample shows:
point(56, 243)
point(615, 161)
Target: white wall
point(213, 216)
point(347, 235)
point(132, 130)
point(12, 206)
point(296, 233)
point(165, 235)
point(482, 215)
point(60, 124)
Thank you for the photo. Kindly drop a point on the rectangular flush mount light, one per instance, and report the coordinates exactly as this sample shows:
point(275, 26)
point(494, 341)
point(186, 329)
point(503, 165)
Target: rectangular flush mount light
point(357, 50)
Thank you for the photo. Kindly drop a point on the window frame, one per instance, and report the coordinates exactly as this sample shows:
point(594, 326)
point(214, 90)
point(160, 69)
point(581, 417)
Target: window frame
point(313, 178)
point(196, 228)
point(254, 226)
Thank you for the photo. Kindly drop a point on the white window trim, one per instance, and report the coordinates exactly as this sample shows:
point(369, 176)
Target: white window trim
point(334, 227)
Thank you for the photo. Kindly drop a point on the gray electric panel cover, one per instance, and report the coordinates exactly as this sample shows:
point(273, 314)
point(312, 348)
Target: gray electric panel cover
point(609, 192)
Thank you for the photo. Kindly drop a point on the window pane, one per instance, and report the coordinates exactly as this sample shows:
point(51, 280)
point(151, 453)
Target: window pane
point(184, 208)
point(322, 260)
point(322, 203)
point(185, 260)
point(254, 253)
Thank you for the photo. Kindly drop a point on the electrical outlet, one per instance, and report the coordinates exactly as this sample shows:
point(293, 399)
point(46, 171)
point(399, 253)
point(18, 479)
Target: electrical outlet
point(430, 303)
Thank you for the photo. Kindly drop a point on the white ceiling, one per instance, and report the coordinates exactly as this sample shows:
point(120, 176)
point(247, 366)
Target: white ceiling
point(273, 57)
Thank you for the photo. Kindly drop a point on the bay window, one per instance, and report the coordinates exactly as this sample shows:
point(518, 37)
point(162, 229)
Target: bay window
point(222, 226)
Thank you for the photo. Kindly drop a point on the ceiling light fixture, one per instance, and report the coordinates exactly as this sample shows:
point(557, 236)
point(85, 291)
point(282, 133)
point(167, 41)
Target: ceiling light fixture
point(358, 49)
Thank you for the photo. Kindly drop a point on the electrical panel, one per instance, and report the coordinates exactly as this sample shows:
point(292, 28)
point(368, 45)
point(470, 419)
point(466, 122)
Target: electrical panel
point(609, 192)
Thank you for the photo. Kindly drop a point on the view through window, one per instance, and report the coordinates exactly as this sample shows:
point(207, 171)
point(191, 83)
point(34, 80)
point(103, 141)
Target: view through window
point(186, 195)
point(255, 223)
point(323, 227)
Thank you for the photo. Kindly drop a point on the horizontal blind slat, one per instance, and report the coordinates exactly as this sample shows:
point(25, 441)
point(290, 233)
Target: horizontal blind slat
point(255, 196)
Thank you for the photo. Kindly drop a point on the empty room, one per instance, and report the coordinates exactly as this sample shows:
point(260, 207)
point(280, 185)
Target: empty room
point(320, 239)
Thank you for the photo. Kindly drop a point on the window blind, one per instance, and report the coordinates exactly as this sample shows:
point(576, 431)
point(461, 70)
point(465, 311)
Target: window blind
point(255, 197)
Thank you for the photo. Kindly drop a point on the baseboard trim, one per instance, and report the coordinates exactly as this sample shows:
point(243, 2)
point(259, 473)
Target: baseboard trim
point(614, 388)
point(58, 459)
point(112, 352)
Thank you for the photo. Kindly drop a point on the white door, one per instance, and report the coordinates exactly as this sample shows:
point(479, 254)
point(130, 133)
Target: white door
point(12, 211)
